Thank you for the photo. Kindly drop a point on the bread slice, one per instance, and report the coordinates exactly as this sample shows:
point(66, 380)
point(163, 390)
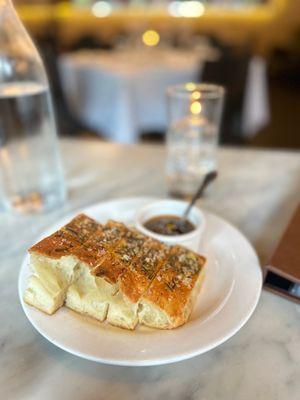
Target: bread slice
point(55, 265)
point(134, 282)
point(168, 302)
point(123, 313)
point(92, 294)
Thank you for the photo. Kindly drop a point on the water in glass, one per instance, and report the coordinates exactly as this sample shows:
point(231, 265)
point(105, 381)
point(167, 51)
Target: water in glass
point(30, 167)
point(192, 144)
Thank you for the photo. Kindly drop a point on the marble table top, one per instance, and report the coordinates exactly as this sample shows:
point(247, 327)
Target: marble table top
point(257, 191)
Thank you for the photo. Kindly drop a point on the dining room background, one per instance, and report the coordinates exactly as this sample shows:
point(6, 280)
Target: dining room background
point(110, 62)
point(149, 199)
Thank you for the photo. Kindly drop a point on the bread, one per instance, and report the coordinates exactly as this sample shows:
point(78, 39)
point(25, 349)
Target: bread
point(168, 302)
point(110, 272)
point(121, 312)
point(55, 265)
point(92, 293)
point(134, 282)
point(111, 251)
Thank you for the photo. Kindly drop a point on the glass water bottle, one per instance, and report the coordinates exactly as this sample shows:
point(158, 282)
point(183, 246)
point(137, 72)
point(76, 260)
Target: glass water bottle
point(31, 178)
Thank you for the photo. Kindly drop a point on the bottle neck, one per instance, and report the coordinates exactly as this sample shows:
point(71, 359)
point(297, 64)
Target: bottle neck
point(7, 9)
point(5, 4)
point(17, 51)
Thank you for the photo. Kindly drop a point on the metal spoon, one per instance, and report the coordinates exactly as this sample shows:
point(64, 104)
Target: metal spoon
point(209, 177)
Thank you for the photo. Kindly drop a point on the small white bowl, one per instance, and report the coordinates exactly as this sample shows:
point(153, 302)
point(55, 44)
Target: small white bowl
point(190, 240)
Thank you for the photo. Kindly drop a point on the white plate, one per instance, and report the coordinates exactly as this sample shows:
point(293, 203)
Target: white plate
point(229, 296)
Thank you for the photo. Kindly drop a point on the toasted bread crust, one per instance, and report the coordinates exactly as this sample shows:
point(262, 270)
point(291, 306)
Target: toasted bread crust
point(143, 269)
point(98, 251)
point(117, 258)
point(64, 241)
point(171, 289)
point(82, 227)
point(57, 245)
point(136, 279)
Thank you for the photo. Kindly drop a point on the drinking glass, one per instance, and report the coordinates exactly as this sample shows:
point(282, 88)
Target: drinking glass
point(31, 178)
point(192, 138)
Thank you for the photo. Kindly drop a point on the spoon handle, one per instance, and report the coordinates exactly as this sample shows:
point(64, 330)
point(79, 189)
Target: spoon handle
point(207, 179)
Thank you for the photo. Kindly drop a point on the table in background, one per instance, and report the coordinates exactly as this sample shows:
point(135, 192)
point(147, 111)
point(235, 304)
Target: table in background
point(123, 93)
point(257, 191)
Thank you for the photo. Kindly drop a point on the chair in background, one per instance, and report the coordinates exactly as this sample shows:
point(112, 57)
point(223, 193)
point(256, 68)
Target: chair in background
point(230, 71)
point(89, 42)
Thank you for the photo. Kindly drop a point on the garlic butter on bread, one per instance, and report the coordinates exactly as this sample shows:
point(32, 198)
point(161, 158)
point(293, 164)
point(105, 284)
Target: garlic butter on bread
point(114, 273)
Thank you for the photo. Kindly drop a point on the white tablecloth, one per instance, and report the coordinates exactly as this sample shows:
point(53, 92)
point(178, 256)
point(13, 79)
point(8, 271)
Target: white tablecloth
point(121, 93)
